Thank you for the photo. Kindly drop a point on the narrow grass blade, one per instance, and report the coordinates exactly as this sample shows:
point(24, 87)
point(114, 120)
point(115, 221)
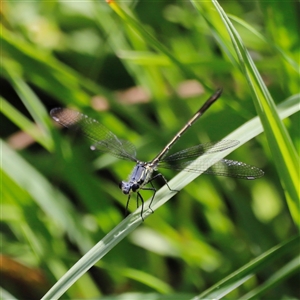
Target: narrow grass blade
point(24, 124)
point(29, 99)
point(150, 39)
point(54, 204)
point(281, 146)
point(288, 270)
point(224, 287)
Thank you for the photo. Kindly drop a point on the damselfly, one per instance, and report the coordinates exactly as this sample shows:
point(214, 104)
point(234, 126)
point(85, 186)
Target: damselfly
point(143, 172)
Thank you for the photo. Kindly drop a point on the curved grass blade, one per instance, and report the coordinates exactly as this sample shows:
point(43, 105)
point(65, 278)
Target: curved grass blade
point(281, 146)
point(286, 271)
point(226, 285)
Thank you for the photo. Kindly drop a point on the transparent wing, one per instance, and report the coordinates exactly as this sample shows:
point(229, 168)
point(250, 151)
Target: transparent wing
point(103, 139)
point(199, 150)
point(235, 169)
point(224, 167)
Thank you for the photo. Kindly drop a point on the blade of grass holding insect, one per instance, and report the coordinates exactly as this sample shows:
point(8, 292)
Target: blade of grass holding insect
point(243, 134)
point(94, 255)
point(281, 146)
point(224, 287)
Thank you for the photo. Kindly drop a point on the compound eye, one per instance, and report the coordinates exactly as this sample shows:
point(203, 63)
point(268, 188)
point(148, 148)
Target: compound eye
point(135, 187)
point(125, 187)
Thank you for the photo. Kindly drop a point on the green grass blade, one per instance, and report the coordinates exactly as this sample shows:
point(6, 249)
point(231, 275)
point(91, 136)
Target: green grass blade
point(281, 146)
point(24, 124)
point(46, 72)
point(224, 287)
point(291, 62)
point(286, 271)
point(150, 39)
point(94, 255)
point(52, 202)
point(29, 98)
point(157, 284)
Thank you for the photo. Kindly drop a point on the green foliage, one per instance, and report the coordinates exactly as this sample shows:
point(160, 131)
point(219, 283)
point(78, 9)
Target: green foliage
point(218, 237)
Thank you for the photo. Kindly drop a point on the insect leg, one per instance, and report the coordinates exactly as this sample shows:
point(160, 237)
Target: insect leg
point(164, 179)
point(126, 208)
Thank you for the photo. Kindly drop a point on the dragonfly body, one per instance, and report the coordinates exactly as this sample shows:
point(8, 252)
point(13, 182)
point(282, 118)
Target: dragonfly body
point(143, 172)
point(140, 176)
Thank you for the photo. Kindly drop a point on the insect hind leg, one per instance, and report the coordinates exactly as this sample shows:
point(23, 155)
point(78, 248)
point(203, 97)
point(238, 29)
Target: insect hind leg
point(154, 189)
point(164, 179)
point(149, 189)
point(139, 196)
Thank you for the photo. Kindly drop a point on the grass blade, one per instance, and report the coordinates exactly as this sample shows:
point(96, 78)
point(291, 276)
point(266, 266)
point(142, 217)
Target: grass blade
point(224, 287)
point(281, 146)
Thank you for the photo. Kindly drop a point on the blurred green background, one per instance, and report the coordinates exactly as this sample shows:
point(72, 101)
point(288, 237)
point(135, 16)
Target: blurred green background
point(59, 198)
